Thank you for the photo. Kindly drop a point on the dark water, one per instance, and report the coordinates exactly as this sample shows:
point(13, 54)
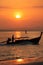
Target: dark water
point(24, 51)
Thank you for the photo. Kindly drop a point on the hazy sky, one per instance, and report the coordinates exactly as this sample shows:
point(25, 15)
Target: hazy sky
point(30, 11)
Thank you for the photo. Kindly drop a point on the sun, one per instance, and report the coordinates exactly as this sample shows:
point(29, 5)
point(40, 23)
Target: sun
point(18, 16)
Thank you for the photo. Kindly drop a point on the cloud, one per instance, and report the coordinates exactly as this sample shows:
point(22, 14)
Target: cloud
point(37, 6)
point(3, 7)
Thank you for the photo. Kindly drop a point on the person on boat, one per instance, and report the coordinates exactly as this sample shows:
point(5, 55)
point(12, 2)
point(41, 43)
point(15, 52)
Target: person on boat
point(12, 38)
point(8, 41)
point(25, 31)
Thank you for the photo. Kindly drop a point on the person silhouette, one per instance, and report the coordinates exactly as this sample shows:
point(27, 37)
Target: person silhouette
point(8, 40)
point(12, 38)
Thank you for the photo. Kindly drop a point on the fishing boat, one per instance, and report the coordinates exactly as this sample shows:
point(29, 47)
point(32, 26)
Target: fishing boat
point(34, 41)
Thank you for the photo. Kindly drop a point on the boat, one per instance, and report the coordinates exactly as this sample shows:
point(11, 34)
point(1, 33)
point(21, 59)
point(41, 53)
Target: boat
point(34, 41)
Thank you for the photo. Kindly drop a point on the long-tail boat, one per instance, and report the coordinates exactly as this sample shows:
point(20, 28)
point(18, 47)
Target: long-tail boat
point(34, 41)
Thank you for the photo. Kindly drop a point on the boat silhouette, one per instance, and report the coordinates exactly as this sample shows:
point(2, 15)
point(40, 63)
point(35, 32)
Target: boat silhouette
point(34, 41)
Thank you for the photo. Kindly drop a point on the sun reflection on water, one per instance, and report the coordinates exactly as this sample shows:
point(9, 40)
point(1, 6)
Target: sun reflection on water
point(18, 34)
point(19, 60)
point(25, 60)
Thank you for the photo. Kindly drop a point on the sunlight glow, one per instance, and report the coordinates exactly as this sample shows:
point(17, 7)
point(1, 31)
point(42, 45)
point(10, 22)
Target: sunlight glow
point(18, 16)
point(20, 60)
point(17, 34)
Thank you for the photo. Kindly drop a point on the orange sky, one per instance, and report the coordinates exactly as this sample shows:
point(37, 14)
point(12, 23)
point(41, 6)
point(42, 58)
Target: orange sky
point(31, 12)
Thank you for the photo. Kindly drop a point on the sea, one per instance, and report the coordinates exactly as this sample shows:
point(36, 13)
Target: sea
point(11, 52)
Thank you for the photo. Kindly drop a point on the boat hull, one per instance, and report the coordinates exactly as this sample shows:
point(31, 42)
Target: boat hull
point(22, 42)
